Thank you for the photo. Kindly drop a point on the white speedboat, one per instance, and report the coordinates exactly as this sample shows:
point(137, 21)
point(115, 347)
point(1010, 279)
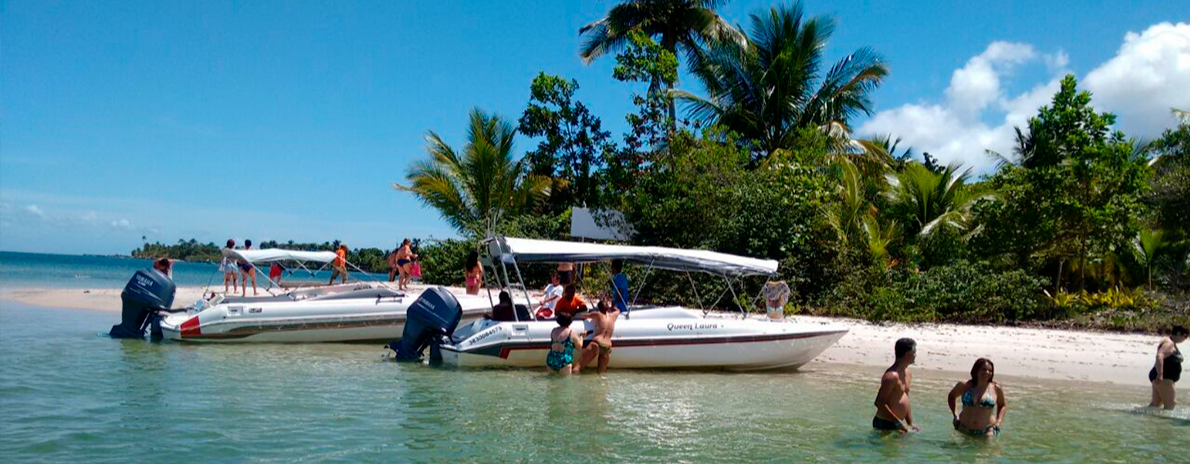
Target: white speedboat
point(646, 337)
point(362, 311)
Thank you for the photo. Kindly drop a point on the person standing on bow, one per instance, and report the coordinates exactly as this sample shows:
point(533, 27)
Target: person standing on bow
point(405, 256)
point(229, 267)
point(339, 265)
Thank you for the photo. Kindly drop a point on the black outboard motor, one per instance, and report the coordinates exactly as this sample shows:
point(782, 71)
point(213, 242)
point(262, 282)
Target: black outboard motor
point(148, 292)
point(433, 315)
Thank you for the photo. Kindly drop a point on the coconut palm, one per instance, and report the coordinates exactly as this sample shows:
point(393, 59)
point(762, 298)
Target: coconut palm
point(845, 215)
point(685, 24)
point(774, 84)
point(933, 200)
point(474, 189)
point(879, 237)
point(1148, 243)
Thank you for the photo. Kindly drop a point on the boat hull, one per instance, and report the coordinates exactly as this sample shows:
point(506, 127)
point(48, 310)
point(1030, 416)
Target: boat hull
point(342, 320)
point(682, 341)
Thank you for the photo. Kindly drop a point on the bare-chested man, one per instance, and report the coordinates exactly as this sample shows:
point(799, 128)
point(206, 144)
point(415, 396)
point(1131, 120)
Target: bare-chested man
point(893, 412)
point(601, 343)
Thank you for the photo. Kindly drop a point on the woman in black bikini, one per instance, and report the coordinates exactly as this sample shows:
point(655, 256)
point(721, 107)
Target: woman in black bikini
point(1168, 369)
point(405, 258)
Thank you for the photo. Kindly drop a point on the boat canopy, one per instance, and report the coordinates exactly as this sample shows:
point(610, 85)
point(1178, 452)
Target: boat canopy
point(513, 249)
point(274, 255)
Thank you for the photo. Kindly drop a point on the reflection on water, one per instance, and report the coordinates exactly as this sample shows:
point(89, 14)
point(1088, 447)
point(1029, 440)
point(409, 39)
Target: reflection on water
point(67, 394)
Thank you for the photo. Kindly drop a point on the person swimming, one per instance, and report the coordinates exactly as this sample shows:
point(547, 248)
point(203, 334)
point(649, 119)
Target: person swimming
point(563, 342)
point(982, 399)
point(1167, 370)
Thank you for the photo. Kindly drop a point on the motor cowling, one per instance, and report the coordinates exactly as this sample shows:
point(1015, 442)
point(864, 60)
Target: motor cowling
point(148, 292)
point(433, 315)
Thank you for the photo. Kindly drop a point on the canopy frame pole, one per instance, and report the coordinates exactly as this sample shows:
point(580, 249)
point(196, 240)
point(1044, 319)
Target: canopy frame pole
point(525, 289)
point(508, 281)
point(716, 302)
point(643, 280)
point(734, 296)
point(697, 298)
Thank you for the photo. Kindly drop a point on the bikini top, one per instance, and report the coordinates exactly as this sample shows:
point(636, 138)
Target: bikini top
point(969, 399)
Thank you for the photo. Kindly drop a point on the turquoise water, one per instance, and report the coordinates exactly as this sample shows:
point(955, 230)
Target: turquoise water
point(78, 271)
point(69, 394)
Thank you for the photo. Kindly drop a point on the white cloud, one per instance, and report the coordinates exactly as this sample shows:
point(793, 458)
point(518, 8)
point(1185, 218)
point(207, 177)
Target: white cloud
point(977, 84)
point(1149, 74)
point(90, 217)
point(122, 224)
point(36, 211)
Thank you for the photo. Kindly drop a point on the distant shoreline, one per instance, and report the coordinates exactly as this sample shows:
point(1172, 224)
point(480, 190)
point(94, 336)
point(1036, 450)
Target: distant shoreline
point(1053, 354)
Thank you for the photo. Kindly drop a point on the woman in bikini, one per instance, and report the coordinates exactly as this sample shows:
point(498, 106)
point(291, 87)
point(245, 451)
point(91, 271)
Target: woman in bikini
point(229, 267)
point(563, 342)
point(249, 271)
point(983, 402)
point(1168, 369)
point(405, 256)
point(473, 273)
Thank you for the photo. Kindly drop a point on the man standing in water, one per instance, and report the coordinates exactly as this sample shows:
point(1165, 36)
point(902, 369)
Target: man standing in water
point(601, 344)
point(893, 412)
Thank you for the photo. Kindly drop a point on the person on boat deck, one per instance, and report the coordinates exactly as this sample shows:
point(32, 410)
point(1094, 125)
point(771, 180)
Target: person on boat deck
point(566, 273)
point(563, 342)
point(392, 265)
point(165, 266)
point(473, 273)
point(405, 258)
point(893, 412)
point(249, 272)
point(275, 271)
point(570, 303)
point(339, 266)
point(601, 344)
point(1168, 368)
point(504, 310)
point(776, 294)
point(983, 401)
point(553, 292)
point(229, 267)
point(619, 287)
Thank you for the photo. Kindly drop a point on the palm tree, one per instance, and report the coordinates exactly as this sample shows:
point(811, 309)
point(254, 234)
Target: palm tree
point(879, 238)
point(685, 24)
point(769, 87)
point(1147, 244)
point(846, 214)
point(475, 189)
point(933, 200)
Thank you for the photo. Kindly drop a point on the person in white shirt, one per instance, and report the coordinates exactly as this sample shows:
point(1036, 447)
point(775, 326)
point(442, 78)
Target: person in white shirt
point(553, 292)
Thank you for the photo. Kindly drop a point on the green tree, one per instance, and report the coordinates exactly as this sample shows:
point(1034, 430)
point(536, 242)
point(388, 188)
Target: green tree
point(932, 200)
point(474, 190)
point(643, 60)
point(1073, 192)
point(1147, 244)
point(770, 86)
point(685, 24)
point(572, 143)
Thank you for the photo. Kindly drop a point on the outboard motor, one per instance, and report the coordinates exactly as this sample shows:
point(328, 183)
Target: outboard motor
point(433, 315)
point(148, 292)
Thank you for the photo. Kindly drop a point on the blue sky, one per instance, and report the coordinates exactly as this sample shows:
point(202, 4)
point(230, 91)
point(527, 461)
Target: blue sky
point(290, 120)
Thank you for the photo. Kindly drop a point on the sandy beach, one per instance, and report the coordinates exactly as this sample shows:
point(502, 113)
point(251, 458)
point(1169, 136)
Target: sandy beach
point(1051, 354)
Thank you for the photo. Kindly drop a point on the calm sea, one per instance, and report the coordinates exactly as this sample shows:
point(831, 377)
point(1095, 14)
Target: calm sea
point(68, 393)
point(86, 271)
